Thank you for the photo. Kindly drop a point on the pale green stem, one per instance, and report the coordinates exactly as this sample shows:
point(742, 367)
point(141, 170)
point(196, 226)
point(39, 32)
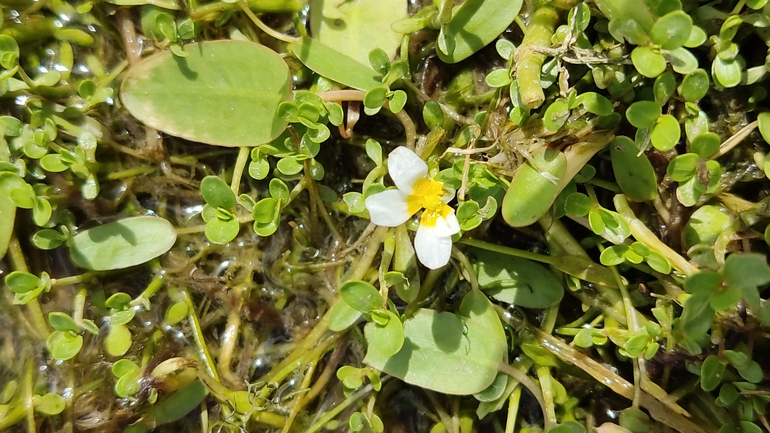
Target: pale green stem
point(469, 273)
point(513, 409)
point(647, 237)
point(29, 395)
point(356, 273)
point(528, 62)
point(268, 31)
point(632, 325)
point(33, 306)
point(240, 166)
point(197, 332)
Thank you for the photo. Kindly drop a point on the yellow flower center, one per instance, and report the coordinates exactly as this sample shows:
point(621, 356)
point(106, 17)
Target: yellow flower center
point(427, 194)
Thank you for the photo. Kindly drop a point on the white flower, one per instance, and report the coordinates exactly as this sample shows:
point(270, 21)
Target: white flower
point(393, 207)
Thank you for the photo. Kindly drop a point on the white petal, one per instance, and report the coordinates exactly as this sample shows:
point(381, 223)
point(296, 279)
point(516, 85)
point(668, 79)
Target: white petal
point(447, 226)
point(432, 250)
point(405, 167)
point(387, 208)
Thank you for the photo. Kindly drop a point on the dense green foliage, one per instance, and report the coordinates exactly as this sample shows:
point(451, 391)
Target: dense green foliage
point(381, 215)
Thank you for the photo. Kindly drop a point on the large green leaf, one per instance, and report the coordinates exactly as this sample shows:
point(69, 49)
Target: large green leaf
point(121, 244)
point(445, 353)
point(334, 65)
point(475, 24)
point(7, 218)
point(517, 281)
point(224, 93)
point(357, 27)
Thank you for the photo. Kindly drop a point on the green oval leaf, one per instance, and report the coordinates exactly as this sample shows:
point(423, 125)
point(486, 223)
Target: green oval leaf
point(672, 30)
point(342, 316)
point(643, 114)
point(475, 24)
point(216, 192)
point(665, 133)
point(221, 231)
point(683, 167)
point(122, 244)
point(64, 345)
point(387, 339)
point(532, 193)
point(763, 121)
point(633, 170)
point(242, 84)
point(443, 353)
point(7, 218)
point(356, 28)
point(62, 322)
point(361, 295)
point(648, 61)
point(334, 65)
point(517, 281)
point(118, 340)
point(49, 404)
point(694, 86)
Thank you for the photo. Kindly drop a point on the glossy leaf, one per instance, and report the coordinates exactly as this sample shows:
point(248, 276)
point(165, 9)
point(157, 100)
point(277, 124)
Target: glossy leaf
point(746, 270)
point(49, 404)
point(118, 340)
point(361, 295)
point(532, 192)
point(334, 65)
point(705, 145)
point(7, 218)
point(763, 121)
point(122, 244)
point(682, 60)
point(643, 114)
point(342, 316)
point(664, 87)
point(694, 86)
point(443, 353)
point(357, 28)
point(475, 24)
point(242, 83)
point(672, 30)
point(64, 345)
point(517, 281)
point(217, 193)
point(633, 170)
point(648, 61)
point(665, 133)
point(386, 339)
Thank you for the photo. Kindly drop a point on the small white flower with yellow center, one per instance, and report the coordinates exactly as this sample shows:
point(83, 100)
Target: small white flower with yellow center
point(393, 207)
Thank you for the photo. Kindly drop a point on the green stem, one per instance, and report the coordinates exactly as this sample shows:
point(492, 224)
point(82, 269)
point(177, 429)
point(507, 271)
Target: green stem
point(240, 165)
point(470, 274)
point(75, 279)
point(632, 325)
point(647, 237)
point(328, 416)
point(262, 26)
point(528, 62)
point(80, 306)
point(513, 409)
point(356, 273)
point(182, 294)
point(29, 402)
point(528, 383)
point(33, 306)
point(212, 11)
point(155, 285)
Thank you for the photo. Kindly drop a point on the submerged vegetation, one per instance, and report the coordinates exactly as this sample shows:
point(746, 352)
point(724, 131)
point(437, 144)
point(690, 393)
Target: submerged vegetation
point(384, 215)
